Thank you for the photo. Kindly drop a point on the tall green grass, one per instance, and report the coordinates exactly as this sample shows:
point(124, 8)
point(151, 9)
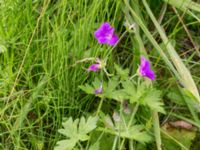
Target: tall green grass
point(43, 42)
point(38, 85)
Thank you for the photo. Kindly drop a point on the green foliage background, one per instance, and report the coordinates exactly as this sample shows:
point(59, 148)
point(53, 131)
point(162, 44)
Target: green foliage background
point(42, 42)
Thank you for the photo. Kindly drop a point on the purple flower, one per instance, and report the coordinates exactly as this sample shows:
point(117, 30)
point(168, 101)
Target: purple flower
point(99, 90)
point(145, 69)
point(105, 34)
point(95, 67)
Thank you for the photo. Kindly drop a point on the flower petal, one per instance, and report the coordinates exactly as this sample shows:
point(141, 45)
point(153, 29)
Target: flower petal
point(113, 40)
point(94, 67)
point(104, 30)
point(105, 34)
point(150, 74)
point(145, 63)
point(145, 69)
point(102, 40)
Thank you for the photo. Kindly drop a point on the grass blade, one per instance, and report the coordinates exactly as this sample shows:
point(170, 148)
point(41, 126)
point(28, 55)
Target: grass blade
point(184, 4)
point(186, 77)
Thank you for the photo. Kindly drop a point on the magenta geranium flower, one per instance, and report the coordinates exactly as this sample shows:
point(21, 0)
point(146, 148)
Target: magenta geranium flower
point(95, 67)
point(105, 34)
point(145, 69)
point(99, 90)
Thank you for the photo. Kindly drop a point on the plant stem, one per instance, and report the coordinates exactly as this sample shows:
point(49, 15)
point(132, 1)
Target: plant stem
point(129, 124)
point(114, 143)
point(99, 107)
point(131, 144)
point(156, 126)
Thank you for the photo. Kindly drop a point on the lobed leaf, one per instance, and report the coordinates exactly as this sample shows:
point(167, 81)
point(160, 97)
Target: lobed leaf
point(75, 131)
point(137, 133)
point(123, 73)
point(87, 88)
point(152, 99)
point(65, 144)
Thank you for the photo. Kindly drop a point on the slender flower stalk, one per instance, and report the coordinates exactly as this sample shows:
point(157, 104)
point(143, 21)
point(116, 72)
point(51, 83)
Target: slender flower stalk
point(105, 34)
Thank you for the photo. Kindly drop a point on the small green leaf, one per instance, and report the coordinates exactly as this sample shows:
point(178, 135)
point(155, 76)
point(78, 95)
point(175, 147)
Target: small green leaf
point(75, 131)
point(65, 145)
point(129, 87)
point(137, 133)
point(111, 87)
point(87, 88)
point(112, 84)
point(131, 91)
point(123, 73)
point(152, 99)
point(97, 83)
point(141, 90)
point(86, 126)
point(119, 95)
point(70, 128)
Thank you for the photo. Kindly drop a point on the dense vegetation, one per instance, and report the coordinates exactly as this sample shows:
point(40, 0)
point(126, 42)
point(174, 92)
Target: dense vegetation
point(49, 99)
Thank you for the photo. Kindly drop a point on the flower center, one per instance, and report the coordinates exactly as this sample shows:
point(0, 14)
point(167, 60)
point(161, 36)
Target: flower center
point(109, 36)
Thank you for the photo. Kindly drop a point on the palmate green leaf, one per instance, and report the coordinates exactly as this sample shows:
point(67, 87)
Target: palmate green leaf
point(129, 87)
point(87, 88)
point(97, 83)
point(70, 128)
point(111, 92)
point(112, 84)
point(134, 93)
point(75, 131)
point(86, 126)
point(130, 90)
point(144, 95)
point(123, 73)
point(142, 89)
point(65, 144)
point(136, 132)
point(123, 129)
point(153, 99)
point(119, 95)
